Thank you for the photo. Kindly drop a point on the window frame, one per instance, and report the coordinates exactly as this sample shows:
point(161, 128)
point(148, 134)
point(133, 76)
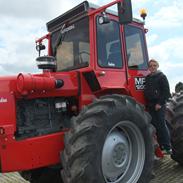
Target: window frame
point(97, 49)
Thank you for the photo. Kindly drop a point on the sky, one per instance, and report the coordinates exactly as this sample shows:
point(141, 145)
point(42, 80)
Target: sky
point(23, 21)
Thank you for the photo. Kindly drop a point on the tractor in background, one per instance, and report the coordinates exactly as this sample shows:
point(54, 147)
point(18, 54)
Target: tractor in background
point(174, 118)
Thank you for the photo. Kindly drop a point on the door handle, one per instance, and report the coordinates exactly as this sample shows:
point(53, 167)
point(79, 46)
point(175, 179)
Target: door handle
point(101, 73)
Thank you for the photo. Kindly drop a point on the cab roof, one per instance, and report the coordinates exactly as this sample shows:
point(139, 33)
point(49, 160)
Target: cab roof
point(75, 13)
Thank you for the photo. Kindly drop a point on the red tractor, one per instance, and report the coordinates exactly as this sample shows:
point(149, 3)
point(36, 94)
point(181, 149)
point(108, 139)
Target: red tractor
point(83, 117)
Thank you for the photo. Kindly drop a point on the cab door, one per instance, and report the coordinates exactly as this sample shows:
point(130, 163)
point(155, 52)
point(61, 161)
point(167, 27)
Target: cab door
point(110, 65)
point(137, 60)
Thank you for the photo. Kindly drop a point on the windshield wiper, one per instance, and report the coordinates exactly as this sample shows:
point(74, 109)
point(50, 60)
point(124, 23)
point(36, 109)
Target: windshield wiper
point(60, 38)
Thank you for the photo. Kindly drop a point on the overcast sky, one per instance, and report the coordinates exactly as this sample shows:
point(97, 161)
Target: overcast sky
point(22, 21)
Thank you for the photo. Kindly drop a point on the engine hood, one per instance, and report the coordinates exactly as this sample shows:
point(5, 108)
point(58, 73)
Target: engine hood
point(8, 83)
point(40, 85)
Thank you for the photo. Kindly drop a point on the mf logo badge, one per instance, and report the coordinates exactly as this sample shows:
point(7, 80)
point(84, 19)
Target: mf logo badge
point(140, 83)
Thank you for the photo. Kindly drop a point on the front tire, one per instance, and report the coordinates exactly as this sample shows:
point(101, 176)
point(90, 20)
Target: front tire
point(109, 142)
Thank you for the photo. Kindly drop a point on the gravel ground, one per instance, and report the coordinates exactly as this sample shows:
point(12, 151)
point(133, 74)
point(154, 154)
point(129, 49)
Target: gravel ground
point(11, 178)
point(166, 171)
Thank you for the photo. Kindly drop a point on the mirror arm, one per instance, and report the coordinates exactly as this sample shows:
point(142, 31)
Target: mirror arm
point(40, 40)
point(104, 7)
point(47, 36)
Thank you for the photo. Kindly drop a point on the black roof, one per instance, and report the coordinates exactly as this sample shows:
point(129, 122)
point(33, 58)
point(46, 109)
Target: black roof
point(78, 11)
point(75, 13)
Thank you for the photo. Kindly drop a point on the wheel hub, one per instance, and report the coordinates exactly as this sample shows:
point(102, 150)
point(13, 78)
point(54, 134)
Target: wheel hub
point(119, 154)
point(123, 154)
point(115, 155)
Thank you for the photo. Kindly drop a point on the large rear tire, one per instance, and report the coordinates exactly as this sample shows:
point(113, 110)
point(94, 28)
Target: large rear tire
point(109, 142)
point(175, 105)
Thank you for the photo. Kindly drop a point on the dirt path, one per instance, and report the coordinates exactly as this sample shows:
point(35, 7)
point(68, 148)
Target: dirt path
point(166, 170)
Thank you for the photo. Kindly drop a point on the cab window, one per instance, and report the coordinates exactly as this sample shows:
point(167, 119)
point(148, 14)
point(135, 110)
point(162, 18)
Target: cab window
point(135, 46)
point(109, 45)
point(71, 46)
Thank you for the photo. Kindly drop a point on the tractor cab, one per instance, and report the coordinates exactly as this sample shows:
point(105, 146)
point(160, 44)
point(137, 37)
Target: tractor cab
point(109, 44)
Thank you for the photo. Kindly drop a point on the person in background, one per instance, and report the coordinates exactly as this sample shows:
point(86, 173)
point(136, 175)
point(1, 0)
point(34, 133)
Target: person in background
point(179, 87)
point(157, 92)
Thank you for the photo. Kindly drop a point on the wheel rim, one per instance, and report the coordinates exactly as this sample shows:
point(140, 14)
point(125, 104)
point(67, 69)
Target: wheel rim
point(123, 154)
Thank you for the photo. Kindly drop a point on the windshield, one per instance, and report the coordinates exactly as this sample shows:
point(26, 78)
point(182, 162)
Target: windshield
point(73, 50)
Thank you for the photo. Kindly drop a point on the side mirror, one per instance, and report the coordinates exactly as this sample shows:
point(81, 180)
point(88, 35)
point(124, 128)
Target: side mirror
point(46, 62)
point(125, 12)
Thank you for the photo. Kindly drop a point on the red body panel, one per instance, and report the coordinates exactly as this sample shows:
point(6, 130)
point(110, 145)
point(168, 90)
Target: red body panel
point(8, 84)
point(137, 94)
point(33, 152)
point(7, 105)
point(30, 153)
point(112, 79)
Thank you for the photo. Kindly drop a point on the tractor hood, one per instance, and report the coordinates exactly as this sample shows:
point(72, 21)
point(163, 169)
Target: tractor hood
point(7, 83)
point(40, 85)
point(28, 86)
